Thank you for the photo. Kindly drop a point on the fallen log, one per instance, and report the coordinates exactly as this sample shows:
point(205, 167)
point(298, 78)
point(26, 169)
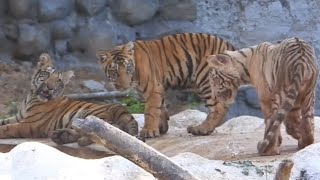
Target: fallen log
point(130, 148)
point(98, 95)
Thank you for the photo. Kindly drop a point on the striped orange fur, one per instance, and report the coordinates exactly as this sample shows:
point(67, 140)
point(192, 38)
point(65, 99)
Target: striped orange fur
point(46, 113)
point(153, 66)
point(284, 75)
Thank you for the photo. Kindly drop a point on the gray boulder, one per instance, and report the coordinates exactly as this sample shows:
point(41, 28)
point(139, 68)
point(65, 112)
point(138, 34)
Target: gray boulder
point(134, 11)
point(92, 37)
point(3, 8)
point(33, 39)
point(61, 29)
point(90, 7)
point(251, 97)
point(2, 37)
point(306, 163)
point(178, 9)
point(23, 8)
point(11, 31)
point(54, 9)
point(60, 47)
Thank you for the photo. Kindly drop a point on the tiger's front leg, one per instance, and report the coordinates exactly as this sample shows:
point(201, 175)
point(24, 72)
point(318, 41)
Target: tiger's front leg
point(18, 130)
point(9, 131)
point(154, 116)
point(216, 114)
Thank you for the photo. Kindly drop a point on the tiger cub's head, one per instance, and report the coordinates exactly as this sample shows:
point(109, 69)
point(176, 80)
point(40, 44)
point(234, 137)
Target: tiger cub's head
point(224, 78)
point(118, 64)
point(46, 82)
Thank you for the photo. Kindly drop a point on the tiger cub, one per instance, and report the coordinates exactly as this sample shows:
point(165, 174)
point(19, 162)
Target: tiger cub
point(284, 75)
point(46, 113)
point(153, 66)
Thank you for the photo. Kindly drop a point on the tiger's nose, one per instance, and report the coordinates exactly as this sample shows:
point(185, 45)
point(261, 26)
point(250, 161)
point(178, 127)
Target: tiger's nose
point(50, 88)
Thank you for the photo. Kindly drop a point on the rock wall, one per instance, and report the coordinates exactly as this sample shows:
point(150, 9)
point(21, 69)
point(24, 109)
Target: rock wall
point(72, 30)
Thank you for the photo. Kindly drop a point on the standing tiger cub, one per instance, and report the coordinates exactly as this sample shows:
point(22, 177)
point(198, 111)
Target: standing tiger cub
point(284, 75)
point(46, 113)
point(173, 61)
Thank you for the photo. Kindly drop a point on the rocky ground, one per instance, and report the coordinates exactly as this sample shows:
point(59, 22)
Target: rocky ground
point(228, 153)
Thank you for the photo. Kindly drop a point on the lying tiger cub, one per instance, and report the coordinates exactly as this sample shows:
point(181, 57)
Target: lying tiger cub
point(46, 113)
point(284, 75)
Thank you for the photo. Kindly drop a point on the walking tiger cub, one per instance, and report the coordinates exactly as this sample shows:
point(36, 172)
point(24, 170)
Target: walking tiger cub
point(284, 75)
point(46, 113)
point(173, 61)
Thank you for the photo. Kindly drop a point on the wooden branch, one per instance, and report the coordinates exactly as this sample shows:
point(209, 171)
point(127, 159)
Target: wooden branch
point(131, 148)
point(98, 95)
point(113, 94)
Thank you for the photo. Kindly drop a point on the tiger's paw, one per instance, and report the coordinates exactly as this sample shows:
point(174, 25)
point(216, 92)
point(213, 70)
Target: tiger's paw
point(267, 151)
point(84, 141)
point(199, 130)
point(149, 133)
point(64, 136)
point(303, 142)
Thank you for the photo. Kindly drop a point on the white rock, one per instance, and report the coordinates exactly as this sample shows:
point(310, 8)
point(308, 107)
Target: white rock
point(307, 163)
point(32, 160)
point(241, 124)
point(140, 119)
point(216, 169)
point(186, 118)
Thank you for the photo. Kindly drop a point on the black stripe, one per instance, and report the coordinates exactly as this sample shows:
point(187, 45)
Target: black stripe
point(181, 74)
point(242, 53)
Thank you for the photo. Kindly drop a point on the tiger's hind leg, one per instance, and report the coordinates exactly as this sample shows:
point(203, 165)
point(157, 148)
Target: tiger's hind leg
point(266, 108)
point(281, 106)
point(164, 118)
point(307, 121)
point(292, 123)
point(65, 136)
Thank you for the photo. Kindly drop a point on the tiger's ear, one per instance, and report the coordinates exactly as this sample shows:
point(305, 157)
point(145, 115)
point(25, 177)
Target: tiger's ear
point(101, 56)
point(218, 60)
point(66, 76)
point(45, 61)
point(129, 47)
